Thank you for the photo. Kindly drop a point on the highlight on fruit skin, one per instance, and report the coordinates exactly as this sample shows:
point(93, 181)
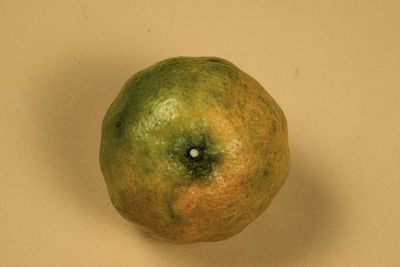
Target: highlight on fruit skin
point(193, 149)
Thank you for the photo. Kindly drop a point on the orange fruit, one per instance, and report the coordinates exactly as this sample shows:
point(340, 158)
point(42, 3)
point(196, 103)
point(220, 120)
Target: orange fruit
point(193, 149)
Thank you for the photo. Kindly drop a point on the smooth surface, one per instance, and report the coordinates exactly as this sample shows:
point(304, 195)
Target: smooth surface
point(333, 66)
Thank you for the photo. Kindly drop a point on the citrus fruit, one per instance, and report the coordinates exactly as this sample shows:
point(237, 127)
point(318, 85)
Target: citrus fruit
point(193, 149)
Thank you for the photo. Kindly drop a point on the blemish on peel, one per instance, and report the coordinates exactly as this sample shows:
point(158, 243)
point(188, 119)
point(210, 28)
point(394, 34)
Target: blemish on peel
point(166, 110)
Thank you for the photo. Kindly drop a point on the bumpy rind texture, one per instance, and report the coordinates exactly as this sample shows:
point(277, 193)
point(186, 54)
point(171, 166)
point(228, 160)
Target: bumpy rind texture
point(205, 103)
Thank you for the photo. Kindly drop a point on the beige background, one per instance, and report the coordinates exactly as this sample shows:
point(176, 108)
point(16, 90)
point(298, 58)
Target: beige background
point(333, 66)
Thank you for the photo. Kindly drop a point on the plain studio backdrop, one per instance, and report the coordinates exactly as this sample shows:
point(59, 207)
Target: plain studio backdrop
point(333, 66)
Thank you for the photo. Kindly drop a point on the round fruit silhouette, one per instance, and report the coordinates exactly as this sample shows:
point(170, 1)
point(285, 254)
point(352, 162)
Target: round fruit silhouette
point(193, 149)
